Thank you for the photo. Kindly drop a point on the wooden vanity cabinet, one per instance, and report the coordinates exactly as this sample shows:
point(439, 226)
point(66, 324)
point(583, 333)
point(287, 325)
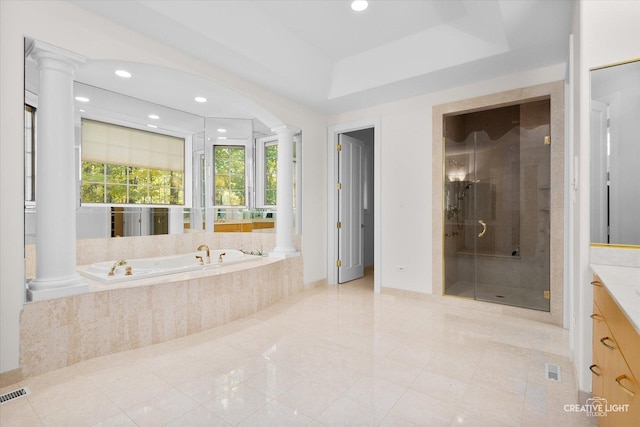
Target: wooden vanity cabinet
point(616, 360)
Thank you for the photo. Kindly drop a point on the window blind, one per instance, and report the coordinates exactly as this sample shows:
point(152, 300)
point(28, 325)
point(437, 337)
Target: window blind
point(119, 145)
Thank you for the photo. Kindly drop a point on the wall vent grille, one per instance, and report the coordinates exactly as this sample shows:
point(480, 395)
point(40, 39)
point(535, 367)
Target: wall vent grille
point(552, 372)
point(12, 395)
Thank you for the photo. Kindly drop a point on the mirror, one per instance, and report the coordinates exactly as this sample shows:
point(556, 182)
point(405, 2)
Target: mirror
point(210, 199)
point(615, 154)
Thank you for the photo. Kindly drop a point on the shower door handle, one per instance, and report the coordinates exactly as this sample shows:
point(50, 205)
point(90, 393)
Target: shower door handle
point(484, 228)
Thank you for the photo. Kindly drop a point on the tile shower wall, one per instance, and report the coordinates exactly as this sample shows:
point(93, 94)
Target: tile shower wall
point(535, 175)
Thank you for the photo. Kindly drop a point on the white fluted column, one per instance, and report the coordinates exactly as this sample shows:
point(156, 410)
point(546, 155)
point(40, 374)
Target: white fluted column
point(56, 194)
point(284, 199)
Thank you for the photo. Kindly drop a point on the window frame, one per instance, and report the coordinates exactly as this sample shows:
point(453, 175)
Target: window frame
point(231, 143)
point(30, 155)
point(261, 144)
point(31, 100)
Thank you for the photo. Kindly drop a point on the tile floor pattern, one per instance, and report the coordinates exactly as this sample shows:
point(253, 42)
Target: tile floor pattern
point(329, 356)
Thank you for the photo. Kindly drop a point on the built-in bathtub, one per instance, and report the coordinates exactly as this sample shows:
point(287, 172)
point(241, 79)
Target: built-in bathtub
point(133, 269)
point(117, 317)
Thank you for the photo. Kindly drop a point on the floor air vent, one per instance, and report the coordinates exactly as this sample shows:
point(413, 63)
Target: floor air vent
point(552, 372)
point(13, 395)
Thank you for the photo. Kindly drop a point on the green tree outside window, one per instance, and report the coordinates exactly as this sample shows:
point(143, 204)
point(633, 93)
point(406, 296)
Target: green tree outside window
point(229, 170)
point(271, 174)
point(121, 184)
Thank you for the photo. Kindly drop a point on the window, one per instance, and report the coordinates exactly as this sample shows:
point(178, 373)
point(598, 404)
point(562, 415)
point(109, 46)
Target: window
point(229, 170)
point(122, 165)
point(267, 171)
point(270, 173)
point(29, 153)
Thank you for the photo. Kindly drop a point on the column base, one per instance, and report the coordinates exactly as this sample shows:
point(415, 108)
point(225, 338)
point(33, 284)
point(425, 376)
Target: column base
point(282, 254)
point(44, 289)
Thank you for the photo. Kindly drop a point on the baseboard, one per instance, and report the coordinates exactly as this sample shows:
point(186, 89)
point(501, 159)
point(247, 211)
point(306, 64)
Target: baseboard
point(11, 377)
point(311, 285)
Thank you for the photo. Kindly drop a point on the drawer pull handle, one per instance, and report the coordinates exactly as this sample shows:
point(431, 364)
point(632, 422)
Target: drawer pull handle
point(596, 316)
point(609, 346)
point(594, 372)
point(626, 390)
point(597, 283)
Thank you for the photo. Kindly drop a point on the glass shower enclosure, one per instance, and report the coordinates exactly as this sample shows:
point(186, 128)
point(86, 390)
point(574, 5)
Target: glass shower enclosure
point(496, 205)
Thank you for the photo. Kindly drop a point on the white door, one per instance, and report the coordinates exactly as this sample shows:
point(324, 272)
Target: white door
point(350, 212)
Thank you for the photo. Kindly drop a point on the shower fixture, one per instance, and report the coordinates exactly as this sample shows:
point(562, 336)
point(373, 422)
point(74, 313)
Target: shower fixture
point(466, 188)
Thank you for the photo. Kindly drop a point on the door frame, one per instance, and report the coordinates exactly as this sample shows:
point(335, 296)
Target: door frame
point(332, 197)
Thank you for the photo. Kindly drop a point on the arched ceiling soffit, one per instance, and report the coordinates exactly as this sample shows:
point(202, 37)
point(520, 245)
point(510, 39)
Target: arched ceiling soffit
point(173, 88)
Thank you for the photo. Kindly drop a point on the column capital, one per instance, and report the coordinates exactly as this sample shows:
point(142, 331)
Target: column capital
point(39, 50)
point(285, 129)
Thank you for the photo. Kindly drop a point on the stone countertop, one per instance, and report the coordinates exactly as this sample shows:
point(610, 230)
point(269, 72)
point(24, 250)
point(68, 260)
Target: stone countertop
point(623, 283)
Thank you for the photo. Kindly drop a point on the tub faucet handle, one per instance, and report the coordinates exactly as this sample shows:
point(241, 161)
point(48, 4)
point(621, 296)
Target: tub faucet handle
point(220, 256)
point(199, 258)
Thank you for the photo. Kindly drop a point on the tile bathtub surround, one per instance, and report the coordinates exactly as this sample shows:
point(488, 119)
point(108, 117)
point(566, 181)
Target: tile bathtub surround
point(61, 332)
point(326, 356)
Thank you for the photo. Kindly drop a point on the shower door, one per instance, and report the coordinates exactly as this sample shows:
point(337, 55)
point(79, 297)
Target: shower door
point(496, 205)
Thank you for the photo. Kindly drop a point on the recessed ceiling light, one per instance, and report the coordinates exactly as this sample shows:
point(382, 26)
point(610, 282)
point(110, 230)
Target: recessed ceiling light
point(152, 126)
point(82, 99)
point(154, 116)
point(81, 110)
point(222, 130)
point(123, 73)
point(359, 5)
point(200, 99)
point(222, 137)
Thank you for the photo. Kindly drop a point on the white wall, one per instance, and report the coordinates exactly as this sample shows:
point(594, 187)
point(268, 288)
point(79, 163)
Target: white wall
point(64, 25)
point(605, 32)
point(406, 219)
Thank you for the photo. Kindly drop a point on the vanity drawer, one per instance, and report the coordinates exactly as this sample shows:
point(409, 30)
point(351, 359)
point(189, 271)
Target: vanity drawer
point(600, 331)
point(599, 291)
point(620, 387)
point(597, 375)
point(616, 360)
point(620, 327)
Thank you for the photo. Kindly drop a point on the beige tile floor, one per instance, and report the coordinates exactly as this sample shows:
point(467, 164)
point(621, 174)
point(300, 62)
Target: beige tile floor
point(329, 356)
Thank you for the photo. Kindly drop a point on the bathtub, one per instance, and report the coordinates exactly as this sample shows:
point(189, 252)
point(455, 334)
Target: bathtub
point(160, 266)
